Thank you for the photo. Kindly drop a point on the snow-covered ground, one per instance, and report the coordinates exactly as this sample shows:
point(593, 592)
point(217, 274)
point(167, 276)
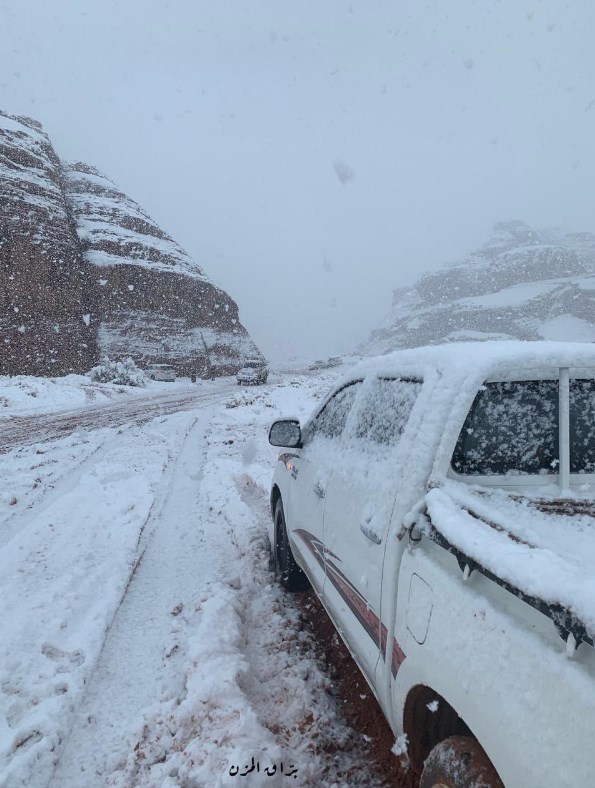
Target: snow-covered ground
point(142, 641)
point(24, 395)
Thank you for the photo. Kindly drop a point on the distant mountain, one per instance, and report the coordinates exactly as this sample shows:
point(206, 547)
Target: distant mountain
point(520, 285)
point(84, 271)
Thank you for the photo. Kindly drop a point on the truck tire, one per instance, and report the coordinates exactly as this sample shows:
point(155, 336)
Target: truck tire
point(459, 762)
point(287, 571)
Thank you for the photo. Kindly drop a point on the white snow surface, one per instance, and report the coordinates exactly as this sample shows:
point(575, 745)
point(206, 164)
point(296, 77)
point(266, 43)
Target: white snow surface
point(460, 367)
point(26, 394)
point(142, 640)
point(569, 327)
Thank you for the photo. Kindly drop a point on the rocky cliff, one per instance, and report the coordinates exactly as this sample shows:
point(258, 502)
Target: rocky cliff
point(84, 271)
point(44, 288)
point(520, 285)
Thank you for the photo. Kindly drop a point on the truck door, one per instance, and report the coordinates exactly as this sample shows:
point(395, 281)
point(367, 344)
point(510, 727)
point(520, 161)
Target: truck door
point(359, 502)
point(311, 472)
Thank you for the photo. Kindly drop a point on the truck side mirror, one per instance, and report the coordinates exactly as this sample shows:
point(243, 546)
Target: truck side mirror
point(286, 433)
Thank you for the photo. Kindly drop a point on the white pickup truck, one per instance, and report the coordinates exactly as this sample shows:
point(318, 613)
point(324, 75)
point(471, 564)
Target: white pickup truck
point(441, 502)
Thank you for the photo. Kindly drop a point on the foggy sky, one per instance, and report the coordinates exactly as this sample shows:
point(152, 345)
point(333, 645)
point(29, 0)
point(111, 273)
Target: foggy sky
point(313, 155)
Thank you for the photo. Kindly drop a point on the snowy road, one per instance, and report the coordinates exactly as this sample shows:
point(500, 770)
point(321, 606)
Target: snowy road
point(174, 566)
point(142, 641)
point(25, 430)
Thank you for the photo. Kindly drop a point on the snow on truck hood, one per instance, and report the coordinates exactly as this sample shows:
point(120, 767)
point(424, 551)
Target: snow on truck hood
point(543, 546)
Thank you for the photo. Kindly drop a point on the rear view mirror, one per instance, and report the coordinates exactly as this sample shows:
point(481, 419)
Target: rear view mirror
point(286, 433)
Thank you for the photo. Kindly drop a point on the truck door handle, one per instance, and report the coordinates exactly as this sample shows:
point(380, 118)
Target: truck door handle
point(370, 534)
point(318, 490)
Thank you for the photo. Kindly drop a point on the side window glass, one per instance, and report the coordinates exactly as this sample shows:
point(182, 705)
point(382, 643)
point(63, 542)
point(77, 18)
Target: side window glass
point(331, 420)
point(386, 410)
point(512, 428)
point(582, 426)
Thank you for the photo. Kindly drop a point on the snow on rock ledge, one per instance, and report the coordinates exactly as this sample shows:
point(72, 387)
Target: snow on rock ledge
point(84, 271)
point(153, 302)
point(114, 230)
point(519, 285)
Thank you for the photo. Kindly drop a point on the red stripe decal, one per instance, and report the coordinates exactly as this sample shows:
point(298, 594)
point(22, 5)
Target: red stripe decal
point(353, 599)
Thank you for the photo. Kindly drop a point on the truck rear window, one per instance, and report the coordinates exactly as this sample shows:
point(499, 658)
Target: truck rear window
point(511, 429)
point(582, 426)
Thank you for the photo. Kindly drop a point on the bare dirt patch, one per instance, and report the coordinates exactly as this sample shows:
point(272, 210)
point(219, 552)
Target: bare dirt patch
point(359, 706)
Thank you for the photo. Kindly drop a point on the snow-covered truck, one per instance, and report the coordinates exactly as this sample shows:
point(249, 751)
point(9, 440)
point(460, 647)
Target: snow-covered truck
point(441, 502)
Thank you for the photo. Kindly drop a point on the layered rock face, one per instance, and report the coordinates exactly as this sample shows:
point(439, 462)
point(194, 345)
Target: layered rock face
point(520, 285)
point(85, 272)
point(45, 298)
point(152, 301)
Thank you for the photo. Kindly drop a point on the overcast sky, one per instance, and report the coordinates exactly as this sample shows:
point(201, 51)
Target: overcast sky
point(312, 155)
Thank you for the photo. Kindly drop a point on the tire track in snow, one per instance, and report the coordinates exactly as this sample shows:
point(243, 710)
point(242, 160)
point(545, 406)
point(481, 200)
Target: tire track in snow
point(103, 417)
point(65, 480)
point(239, 676)
point(25, 430)
point(127, 676)
point(63, 577)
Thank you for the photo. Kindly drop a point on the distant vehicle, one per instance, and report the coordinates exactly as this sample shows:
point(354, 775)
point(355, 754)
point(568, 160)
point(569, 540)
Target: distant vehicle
point(441, 502)
point(333, 361)
point(163, 372)
point(253, 373)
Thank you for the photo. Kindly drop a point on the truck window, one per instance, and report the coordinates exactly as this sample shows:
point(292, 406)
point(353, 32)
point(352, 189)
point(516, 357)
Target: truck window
point(331, 420)
point(385, 411)
point(582, 426)
point(511, 429)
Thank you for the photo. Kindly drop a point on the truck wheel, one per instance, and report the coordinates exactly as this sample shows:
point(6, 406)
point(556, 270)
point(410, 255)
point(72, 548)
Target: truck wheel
point(459, 762)
point(287, 571)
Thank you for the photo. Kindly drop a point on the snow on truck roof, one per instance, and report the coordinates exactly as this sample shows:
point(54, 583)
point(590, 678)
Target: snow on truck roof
point(479, 359)
point(485, 355)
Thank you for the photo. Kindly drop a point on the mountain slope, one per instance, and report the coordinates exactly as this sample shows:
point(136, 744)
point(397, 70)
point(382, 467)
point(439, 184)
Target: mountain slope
point(152, 300)
point(84, 271)
point(520, 285)
point(44, 289)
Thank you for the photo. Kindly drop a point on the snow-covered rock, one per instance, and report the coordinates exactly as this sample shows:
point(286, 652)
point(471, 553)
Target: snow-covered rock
point(43, 282)
point(520, 285)
point(86, 272)
point(153, 301)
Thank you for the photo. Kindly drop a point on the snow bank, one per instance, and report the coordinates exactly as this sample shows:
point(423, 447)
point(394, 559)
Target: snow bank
point(26, 394)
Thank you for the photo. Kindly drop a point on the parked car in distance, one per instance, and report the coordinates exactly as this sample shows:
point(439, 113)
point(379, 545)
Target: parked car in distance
point(163, 372)
point(333, 361)
point(441, 503)
point(253, 373)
